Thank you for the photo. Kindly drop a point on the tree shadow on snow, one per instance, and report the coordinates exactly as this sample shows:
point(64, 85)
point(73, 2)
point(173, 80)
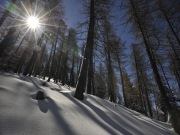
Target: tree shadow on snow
point(55, 89)
point(104, 126)
point(33, 82)
point(17, 76)
point(22, 78)
point(56, 111)
point(107, 119)
point(141, 121)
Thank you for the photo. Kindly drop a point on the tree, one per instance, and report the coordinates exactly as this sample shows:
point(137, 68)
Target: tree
point(128, 87)
point(100, 82)
point(145, 27)
point(143, 81)
point(61, 24)
point(88, 51)
point(108, 39)
point(8, 40)
point(118, 56)
point(135, 12)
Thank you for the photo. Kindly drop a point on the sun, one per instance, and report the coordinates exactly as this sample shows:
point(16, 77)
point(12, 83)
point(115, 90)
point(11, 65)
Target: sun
point(33, 22)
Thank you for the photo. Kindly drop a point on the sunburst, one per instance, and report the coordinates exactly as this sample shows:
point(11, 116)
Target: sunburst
point(32, 19)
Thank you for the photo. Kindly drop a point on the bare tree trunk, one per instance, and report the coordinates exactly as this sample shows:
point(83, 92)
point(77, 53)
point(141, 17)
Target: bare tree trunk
point(90, 68)
point(72, 81)
point(21, 61)
point(143, 104)
point(30, 63)
point(64, 66)
point(57, 76)
point(47, 64)
point(122, 82)
point(30, 66)
point(89, 49)
point(147, 97)
point(93, 89)
point(37, 69)
point(55, 44)
point(80, 63)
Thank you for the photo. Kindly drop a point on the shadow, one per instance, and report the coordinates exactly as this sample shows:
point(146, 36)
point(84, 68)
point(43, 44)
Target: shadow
point(107, 119)
point(55, 89)
point(43, 106)
point(155, 124)
point(22, 78)
point(91, 116)
point(33, 96)
point(3, 89)
point(59, 119)
point(133, 117)
point(33, 82)
point(14, 75)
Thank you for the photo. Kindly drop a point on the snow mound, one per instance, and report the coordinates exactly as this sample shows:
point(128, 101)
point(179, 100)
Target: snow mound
point(62, 114)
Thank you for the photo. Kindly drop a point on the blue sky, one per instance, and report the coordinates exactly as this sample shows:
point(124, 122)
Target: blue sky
point(72, 14)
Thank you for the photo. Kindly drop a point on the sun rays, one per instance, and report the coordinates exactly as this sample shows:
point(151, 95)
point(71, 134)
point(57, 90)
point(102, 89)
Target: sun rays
point(33, 19)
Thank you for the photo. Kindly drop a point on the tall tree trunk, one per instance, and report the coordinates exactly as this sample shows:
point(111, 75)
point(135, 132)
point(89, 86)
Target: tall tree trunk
point(146, 93)
point(93, 88)
point(80, 63)
point(30, 63)
point(89, 49)
point(21, 61)
point(90, 68)
point(37, 69)
point(55, 44)
point(60, 63)
point(72, 81)
point(47, 64)
point(65, 67)
point(58, 67)
point(30, 66)
point(16, 38)
point(64, 70)
point(143, 104)
point(17, 49)
point(122, 82)
point(110, 77)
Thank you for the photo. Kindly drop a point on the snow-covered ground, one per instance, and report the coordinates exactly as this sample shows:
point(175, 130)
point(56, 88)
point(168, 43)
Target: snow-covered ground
point(62, 114)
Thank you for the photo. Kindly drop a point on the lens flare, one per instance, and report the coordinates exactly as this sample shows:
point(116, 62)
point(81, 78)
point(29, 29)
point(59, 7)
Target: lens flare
point(11, 7)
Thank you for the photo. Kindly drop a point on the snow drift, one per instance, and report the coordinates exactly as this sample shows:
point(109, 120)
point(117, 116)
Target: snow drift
point(62, 114)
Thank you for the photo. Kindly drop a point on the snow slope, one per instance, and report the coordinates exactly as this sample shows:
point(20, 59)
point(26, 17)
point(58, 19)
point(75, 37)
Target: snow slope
point(62, 114)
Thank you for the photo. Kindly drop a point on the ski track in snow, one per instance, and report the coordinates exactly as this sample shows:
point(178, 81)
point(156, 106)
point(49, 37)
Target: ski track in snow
point(62, 114)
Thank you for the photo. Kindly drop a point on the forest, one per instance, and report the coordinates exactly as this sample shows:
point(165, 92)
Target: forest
point(93, 57)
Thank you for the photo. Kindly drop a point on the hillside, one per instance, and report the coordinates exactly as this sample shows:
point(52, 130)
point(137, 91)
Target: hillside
point(62, 114)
